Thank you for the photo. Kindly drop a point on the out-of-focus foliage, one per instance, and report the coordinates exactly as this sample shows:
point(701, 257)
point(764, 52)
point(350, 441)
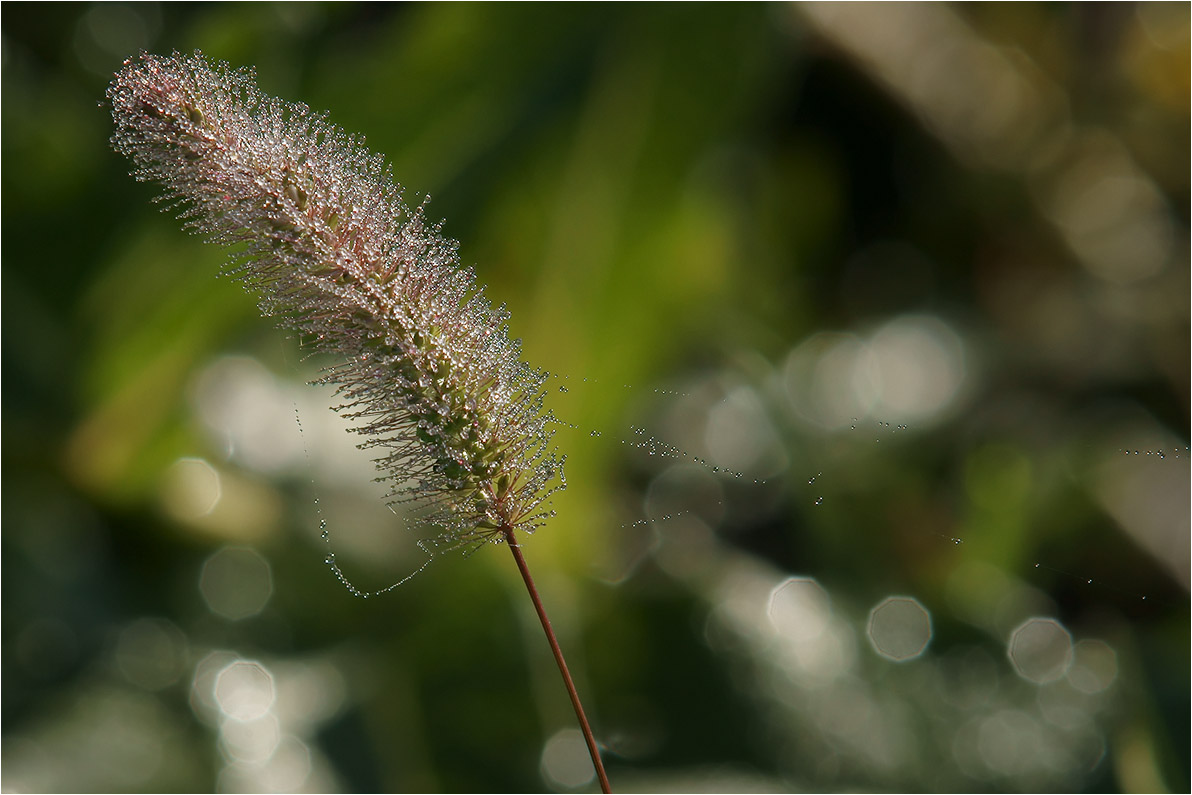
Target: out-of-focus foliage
point(869, 331)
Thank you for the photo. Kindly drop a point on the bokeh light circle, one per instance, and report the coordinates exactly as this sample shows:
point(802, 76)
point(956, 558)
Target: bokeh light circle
point(1040, 650)
point(899, 628)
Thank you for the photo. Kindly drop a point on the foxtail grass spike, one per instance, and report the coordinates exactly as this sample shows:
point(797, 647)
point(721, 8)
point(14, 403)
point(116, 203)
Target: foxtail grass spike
point(320, 234)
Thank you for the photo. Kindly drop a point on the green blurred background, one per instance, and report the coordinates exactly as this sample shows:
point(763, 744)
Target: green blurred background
point(868, 328)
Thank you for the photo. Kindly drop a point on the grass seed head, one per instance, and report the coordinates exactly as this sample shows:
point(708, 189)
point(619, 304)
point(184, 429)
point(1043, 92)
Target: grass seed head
point(426, 370)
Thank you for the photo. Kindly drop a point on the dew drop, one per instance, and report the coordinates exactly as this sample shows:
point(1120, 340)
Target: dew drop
point(562, 388)
point(594, 434)
point(819, 500)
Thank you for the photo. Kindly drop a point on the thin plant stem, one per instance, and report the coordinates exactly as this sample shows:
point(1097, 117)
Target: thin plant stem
point(515, 548)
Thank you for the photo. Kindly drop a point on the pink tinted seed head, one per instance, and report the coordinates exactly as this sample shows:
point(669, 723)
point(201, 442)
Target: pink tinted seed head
point(426, 369)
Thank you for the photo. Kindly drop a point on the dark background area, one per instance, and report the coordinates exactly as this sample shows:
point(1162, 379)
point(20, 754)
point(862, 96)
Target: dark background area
point(868, 332)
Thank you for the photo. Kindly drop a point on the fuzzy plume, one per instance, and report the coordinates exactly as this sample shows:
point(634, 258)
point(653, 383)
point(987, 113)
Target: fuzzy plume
point(427, 372)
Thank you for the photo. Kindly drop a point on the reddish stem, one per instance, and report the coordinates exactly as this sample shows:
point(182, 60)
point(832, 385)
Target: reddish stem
point(515, 548)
